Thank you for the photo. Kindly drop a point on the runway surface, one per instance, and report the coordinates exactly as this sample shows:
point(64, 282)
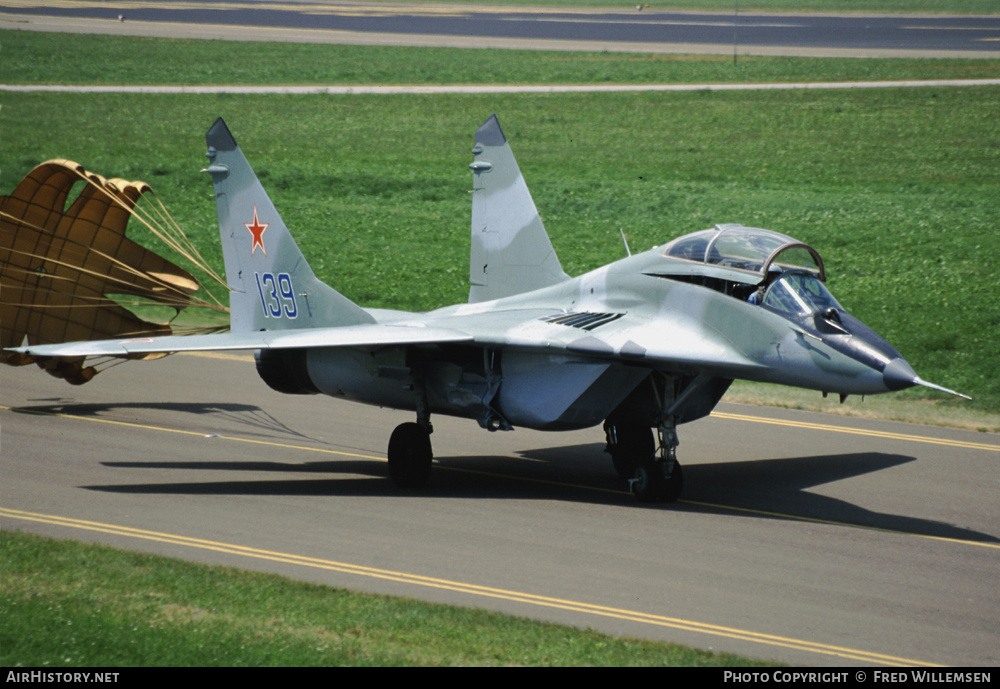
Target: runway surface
point(649, 31)
point(806, 538)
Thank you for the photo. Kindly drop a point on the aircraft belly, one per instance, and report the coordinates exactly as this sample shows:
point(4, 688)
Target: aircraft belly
point(354, 374)
point(557, 392)
point(382, 377)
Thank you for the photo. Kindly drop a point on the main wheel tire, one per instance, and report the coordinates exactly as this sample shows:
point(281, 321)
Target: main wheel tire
point(635, 445)
point(410, 455)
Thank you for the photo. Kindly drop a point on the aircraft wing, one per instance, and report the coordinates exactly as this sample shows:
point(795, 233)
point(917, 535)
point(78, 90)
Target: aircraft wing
point(679, 345)
point(344, 336)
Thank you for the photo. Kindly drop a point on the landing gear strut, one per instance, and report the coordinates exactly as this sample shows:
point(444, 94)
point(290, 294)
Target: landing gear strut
point(410, 453)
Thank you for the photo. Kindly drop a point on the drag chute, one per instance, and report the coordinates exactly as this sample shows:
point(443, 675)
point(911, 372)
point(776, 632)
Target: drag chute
point(67, 270)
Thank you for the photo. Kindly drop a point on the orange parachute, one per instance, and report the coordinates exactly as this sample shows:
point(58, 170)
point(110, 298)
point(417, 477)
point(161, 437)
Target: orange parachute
point(66, 270)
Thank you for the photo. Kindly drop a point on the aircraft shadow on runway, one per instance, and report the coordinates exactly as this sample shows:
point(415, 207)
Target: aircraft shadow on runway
point(249, 420)
point(780, 489)
point(764, 488)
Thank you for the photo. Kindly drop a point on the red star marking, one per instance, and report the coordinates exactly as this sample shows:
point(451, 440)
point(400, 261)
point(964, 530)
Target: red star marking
point(257, 232)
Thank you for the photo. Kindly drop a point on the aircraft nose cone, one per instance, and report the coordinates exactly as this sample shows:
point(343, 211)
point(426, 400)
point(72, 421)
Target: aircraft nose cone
point(899, 375)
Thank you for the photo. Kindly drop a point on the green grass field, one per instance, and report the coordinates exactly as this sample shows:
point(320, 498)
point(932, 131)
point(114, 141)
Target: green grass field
point(897, 188)
point(41, 58)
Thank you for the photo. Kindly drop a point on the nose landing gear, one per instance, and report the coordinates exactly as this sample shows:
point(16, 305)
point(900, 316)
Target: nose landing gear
point(659, 478)
point(651, 468)
point(653, 473)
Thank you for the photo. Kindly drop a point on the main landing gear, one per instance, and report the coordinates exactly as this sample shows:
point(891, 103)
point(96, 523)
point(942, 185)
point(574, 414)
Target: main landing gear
point(651, 467)
point(410, 454)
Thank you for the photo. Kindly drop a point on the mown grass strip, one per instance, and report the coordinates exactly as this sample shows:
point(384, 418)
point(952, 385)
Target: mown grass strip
point(49, 58)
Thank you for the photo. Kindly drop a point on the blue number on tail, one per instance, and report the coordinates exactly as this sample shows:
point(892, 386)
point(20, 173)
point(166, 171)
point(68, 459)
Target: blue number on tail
point(277, 296)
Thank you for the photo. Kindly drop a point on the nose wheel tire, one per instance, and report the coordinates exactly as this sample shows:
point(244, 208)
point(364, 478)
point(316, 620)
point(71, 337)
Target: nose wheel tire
point(652, 484)
point(410, 455)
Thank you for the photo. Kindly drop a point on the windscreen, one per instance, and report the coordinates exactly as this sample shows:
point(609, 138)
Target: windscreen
point(797, 293)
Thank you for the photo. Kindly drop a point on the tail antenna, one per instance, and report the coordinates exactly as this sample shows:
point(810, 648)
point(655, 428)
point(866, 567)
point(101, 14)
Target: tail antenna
point(627, 250)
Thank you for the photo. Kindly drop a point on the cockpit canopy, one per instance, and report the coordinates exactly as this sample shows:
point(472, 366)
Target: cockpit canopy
point(746, 251)
point(778, 274)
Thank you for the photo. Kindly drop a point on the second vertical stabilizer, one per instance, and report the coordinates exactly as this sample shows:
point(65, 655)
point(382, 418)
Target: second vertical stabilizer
point(511, 252)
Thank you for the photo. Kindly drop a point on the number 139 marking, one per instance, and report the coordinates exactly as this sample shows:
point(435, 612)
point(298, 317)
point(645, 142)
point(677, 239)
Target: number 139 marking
point(277, 296)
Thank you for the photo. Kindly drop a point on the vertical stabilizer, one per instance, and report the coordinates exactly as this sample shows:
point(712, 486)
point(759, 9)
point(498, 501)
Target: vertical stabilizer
point(511, 252)
point(271, 285)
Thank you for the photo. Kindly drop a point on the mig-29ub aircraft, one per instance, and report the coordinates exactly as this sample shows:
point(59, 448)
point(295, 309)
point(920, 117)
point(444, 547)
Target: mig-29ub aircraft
point(648, 342)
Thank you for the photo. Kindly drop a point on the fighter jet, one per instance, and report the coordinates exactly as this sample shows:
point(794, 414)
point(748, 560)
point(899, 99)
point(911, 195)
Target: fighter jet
point(641, 345)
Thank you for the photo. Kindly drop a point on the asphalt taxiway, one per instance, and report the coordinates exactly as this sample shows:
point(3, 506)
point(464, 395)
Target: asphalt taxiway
point(802, 537)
